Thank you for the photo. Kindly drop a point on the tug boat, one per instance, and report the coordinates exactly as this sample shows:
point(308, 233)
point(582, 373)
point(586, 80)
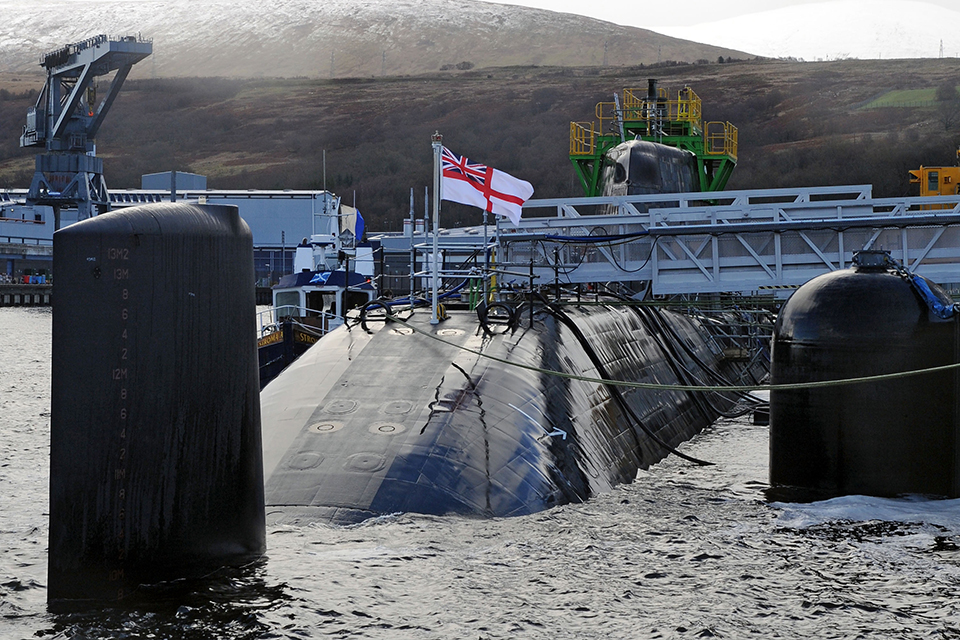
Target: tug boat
point(333, 272)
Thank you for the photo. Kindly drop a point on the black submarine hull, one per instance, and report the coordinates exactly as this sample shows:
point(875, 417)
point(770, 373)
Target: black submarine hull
point(155, 469)
point(885, 437)
point(411, 418)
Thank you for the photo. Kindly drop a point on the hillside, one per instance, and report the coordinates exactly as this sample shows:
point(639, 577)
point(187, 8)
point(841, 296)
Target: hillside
point(333, 38)
point(799, 123)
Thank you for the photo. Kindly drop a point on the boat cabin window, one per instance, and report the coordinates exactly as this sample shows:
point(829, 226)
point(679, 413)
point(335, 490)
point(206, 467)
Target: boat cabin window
point(288, 304)
point(319, 302)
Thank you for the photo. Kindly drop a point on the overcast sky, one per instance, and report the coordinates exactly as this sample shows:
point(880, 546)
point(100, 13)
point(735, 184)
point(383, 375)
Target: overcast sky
point(647, 15)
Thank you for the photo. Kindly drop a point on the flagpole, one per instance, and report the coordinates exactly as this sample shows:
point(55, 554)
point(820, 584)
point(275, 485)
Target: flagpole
point(437, 142)
point(496, 242)
point(413, 251)
point(486, 261)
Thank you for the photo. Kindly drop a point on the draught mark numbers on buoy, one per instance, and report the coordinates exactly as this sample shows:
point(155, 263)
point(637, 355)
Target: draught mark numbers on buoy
point(118, 260)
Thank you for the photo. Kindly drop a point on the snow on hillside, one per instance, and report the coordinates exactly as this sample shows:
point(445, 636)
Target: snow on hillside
point(864, 29)
point(330, 37)
point(337, 38)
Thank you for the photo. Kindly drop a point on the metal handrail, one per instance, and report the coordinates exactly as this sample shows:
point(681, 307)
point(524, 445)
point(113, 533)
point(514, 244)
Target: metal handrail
point(21, 220)
point(720, 138)
point(40, 242)
point(296, 310)
point(582, 138)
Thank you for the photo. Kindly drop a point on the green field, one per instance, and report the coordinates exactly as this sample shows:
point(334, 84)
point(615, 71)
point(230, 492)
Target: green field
point(904, 98)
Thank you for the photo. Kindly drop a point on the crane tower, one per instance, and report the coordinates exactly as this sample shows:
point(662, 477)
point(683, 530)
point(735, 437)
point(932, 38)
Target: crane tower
point(67, 116)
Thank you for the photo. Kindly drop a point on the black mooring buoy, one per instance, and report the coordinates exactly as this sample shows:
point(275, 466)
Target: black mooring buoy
point(155, 454)
point(883, 438)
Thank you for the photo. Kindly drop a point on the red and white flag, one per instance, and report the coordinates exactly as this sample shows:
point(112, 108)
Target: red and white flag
point(481, 186)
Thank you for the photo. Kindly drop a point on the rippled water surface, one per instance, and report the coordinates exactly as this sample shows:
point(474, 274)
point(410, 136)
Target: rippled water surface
point(683, 552)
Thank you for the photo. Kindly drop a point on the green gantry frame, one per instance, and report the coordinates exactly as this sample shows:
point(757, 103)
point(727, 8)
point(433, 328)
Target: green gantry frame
point(654, 118)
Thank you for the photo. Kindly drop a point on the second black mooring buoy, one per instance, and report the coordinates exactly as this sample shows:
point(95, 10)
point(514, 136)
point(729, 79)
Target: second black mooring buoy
point(883, 438)
point(155, 454)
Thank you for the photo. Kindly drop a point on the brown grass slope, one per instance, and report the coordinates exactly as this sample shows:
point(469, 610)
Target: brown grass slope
point(799, 123)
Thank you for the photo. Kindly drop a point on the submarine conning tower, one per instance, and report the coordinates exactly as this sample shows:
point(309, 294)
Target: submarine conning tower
point(885, 437)
point(155, 455)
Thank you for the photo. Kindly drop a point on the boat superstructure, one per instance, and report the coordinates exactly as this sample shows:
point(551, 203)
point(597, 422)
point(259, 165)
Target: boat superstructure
point(333, 272)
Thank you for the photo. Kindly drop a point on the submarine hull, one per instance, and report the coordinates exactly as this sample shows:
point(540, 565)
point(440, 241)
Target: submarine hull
point(412, 418)
point(883, 437)
point(155, 469)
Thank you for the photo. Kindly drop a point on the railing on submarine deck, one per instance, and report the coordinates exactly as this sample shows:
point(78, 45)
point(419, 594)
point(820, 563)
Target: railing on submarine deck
point(741, 329)
point(269, 320)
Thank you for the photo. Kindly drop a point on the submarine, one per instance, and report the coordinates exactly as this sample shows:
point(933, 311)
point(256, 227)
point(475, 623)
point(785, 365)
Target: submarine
point(553, 403)
point(165, 466)
point(636, 167)
point(524, 403)
point(168, 459)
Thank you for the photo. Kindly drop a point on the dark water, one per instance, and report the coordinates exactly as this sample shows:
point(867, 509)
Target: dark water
point(683, 552)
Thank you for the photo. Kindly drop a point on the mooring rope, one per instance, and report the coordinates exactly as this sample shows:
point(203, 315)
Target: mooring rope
point(819, 384)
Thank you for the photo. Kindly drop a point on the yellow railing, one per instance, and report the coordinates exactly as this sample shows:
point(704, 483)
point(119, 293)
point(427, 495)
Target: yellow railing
point(720, 139)
point(637, 107)
point(606, 112)
point(634, 101)
point(689, 106)
point(686, 108)
point(582, 138)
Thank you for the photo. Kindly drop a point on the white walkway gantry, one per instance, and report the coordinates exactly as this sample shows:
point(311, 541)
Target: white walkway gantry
point(744, 242)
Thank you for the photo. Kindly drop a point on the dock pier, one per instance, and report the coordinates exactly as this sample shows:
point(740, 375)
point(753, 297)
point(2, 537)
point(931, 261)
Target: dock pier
point(26, 295)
